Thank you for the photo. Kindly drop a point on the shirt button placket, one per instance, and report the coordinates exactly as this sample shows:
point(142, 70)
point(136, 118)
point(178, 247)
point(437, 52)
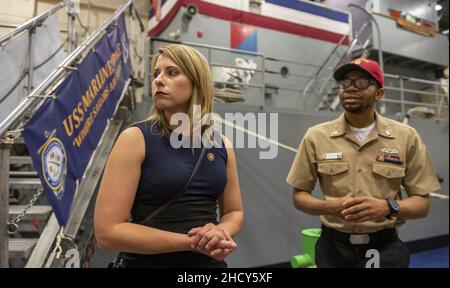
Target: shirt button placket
point(358, 186)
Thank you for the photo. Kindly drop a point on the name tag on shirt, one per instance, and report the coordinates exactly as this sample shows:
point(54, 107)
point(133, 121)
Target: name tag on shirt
point(332, 156)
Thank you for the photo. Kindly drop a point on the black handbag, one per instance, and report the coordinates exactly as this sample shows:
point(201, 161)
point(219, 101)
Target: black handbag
point(118, 261)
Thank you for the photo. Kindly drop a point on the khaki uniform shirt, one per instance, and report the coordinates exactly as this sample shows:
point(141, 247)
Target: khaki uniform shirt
point(393, 154)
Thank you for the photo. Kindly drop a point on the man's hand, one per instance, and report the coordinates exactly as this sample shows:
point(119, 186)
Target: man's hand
point(334, 207)
point(360, 209)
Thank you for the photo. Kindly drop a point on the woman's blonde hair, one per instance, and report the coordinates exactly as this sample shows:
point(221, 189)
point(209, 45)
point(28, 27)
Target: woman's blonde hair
point(195, 66)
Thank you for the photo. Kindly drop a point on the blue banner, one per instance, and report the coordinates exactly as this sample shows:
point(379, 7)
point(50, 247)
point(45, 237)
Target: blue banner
point(64, 132)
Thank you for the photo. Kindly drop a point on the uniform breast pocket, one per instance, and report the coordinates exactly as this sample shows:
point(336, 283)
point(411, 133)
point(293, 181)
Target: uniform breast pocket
point(334, 178)
point(387, 180)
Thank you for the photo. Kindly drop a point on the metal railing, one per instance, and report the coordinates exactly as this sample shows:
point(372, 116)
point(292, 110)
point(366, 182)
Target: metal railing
point(209, 57)
point(374, 21)
point(31, 102)
point(263, 71)
point(321, 86)
point(6, 143)
point(406, 93)
point(8, 131)
point(409, 91)
point(30, 24)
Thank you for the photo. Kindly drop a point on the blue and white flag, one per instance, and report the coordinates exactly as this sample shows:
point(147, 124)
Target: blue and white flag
point(64, 132)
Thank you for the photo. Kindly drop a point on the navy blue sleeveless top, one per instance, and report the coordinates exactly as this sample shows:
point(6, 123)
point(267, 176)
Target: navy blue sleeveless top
point(166, 170)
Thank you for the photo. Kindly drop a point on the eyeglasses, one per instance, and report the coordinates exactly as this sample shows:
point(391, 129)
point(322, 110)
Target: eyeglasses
point(360, 83)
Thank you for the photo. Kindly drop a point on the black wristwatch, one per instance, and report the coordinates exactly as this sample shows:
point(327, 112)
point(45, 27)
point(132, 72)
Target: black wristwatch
point(394, 208)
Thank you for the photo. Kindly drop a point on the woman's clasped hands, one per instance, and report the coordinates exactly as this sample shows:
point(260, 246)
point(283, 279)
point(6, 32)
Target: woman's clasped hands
point(212, 240)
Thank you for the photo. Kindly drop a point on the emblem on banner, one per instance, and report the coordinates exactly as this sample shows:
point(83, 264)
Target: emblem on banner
point(54, 164)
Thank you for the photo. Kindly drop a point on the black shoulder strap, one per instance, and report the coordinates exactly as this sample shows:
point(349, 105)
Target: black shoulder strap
point(168, 203)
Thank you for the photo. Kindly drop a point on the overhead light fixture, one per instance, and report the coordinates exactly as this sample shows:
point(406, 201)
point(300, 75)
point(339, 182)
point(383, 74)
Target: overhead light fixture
point(437, 7)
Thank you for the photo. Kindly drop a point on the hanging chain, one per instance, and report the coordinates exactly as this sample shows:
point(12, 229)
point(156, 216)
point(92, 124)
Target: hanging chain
point(13, 224)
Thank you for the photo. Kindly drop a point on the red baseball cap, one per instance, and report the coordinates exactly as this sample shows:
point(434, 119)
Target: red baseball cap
point(361, 64)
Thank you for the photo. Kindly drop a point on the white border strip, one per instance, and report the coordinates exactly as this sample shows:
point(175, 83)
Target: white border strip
point(287, 14)
point(269, 10)
point(303, 18)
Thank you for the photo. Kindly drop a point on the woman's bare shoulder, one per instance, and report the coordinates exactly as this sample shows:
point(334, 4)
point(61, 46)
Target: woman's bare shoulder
point(131, 141)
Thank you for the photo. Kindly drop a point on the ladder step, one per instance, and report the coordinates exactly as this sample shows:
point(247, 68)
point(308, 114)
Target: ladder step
point(20, 247)
point(36, 212)
point(13, 201)
point(20, 160)
point(29, 229)
point(23, 174)
point(33, 183)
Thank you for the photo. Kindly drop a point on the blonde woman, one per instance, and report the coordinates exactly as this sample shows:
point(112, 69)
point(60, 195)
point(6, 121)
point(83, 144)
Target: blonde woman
point(144, 171)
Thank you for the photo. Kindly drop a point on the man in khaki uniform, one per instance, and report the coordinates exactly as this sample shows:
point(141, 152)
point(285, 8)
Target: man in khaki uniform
point(361, 159)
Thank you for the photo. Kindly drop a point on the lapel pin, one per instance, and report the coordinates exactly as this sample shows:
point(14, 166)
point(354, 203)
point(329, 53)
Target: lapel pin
point(210, 157)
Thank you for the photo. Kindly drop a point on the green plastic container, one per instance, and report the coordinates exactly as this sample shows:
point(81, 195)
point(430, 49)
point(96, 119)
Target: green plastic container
point(307, 259)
